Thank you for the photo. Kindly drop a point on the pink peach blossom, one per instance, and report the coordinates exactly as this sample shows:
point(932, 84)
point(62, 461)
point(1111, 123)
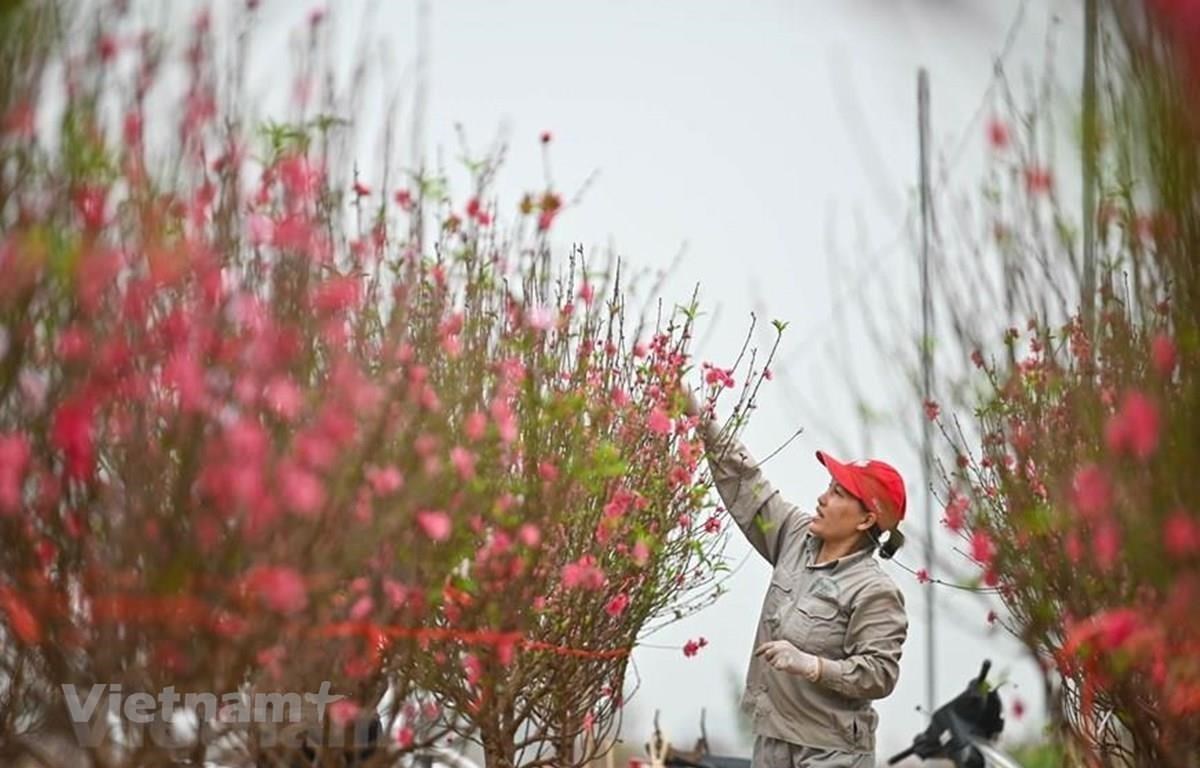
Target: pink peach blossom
point(435, 523)
point(281, 588)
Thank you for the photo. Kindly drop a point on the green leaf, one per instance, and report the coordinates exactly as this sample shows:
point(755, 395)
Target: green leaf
point(324, 123)
point(607, 462)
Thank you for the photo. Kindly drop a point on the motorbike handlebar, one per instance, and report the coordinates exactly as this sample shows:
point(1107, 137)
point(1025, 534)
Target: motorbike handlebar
point(902, 755)
point(972, 714)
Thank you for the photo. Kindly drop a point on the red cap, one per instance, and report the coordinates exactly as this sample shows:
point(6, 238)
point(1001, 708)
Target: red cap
point(875, 483)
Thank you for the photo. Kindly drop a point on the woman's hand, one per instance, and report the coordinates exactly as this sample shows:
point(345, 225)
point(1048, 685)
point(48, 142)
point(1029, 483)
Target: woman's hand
point(692, 408)
point(785, 657)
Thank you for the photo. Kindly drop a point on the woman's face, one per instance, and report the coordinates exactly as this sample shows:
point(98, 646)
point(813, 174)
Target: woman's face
point(840, 516)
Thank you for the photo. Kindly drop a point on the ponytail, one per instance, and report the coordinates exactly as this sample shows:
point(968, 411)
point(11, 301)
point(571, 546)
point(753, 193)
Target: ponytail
point(889, 546)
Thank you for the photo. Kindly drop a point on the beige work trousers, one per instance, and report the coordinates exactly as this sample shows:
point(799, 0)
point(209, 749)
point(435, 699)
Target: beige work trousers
point(774, 753)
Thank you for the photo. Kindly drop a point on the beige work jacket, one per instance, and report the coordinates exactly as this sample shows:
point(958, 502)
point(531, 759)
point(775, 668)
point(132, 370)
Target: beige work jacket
point(847, 612)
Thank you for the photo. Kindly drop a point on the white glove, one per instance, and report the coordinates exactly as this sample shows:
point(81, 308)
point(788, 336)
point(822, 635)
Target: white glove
point(786, 657)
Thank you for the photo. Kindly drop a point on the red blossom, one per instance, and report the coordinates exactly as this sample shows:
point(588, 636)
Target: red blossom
point(956, 511)
point(1181, 534)
point(46, 552)
point(435, 524)
point(21, 619)
point(1116, 627)
point(641, 552)
point(1105, 632)
point(14, 461)
point(475, 426)
point(303, 492)
point(283, 397)
point(617, 605)
point(659, 422)
point(1135, 427)
point(337, 294)
point(343, 711)
point(362, 608)
point(71, 433)
point(714, 376)
point(90, 205)
point(463, 461)
point(299, 177)
point(1091, 491)
point(540, 318)
point(982, 548)
point(583, 574)
point(261, 229)
point(396, 593)
point(1038, 180)
point(622, 501)
point(107, 48)
point(280, 588)
point(473, 668)
point(692, 647)
point(997, 134)
point(20, 120)
point(530, 535)
point(1163, 354)
point(294, 232)
point(931, 410)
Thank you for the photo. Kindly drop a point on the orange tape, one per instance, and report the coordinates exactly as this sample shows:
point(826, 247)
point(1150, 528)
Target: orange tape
point(148, 608)
point(474, 637)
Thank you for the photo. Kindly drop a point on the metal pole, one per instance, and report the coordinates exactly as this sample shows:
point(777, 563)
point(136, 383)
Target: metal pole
point(1089, 164)
point(420, 101)
point(926, 383)
point(419, 224)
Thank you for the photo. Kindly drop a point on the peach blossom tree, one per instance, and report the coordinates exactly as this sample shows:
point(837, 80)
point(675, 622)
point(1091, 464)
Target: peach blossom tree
point(1072, 488)
point(266, 423)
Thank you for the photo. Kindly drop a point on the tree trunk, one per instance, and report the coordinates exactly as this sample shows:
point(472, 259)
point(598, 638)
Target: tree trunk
point(497, 751)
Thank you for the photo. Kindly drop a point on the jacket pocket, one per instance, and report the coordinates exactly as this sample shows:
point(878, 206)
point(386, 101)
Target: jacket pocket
point(819, 627)
point(858, 727)
point(779, 594)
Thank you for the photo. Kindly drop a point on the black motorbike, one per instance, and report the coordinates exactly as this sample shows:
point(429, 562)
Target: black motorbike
point(963, 729)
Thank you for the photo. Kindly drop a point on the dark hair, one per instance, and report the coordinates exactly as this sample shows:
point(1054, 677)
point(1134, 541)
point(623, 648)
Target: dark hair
point(889, 546)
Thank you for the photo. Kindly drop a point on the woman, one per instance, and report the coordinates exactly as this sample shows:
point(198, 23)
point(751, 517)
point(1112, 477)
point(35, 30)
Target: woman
point(833, 623)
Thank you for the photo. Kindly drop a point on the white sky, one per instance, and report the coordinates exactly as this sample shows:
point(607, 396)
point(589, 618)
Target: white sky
point(777, 140)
